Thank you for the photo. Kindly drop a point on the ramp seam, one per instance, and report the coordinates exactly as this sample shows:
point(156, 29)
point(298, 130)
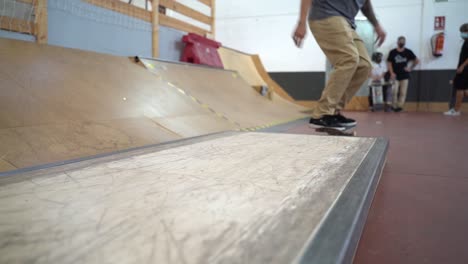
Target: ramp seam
point(203, 105)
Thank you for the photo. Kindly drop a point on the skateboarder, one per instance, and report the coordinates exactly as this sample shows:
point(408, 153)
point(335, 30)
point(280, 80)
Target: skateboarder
point(332, 24)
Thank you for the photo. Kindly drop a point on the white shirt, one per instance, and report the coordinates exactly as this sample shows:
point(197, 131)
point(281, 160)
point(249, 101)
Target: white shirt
point(377, 71)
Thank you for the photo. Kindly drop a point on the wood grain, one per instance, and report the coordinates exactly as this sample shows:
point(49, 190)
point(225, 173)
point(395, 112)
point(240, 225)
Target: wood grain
point(155, 29)
point(251, 68)
point(17, 25)
point(227, 93)
point(247, 198)
point(186, 10)
point(41, 21)
point(180, 25)
point(58, 104)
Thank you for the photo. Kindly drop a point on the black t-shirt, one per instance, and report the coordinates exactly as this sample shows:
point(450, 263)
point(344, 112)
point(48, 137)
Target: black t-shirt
point(463, 53)
point(461, 79)
point(400, 61)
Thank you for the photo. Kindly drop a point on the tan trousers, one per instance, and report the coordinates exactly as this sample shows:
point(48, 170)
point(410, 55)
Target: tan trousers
point(400, 89)
point(348, 56)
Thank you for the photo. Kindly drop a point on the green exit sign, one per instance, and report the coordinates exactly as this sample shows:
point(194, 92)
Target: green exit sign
point(438, 1)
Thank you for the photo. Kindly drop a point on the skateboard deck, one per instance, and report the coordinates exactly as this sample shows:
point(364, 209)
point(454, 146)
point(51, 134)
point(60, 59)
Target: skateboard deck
point(336, 132)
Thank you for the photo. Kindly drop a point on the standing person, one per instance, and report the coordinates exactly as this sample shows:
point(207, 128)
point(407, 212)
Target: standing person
point(397, 63)
point(377, 78)
point(460, 82)
point(332, 24)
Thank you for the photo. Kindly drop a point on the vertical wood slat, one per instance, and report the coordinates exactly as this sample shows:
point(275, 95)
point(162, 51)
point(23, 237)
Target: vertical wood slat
point(213, 18)
point(155, 28)
point(40, 21)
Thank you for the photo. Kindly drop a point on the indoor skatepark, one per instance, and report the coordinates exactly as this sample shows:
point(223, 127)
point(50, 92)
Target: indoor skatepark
point(129, 157)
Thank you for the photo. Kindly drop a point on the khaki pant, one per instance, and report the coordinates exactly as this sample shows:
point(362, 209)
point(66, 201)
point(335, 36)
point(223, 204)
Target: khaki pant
point(400, 88)
point(348, 55)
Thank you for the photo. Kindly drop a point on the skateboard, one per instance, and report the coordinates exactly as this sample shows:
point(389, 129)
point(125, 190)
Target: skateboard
point(336, 132)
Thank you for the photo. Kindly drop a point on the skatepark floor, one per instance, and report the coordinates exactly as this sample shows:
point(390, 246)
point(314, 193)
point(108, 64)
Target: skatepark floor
point(419, 211)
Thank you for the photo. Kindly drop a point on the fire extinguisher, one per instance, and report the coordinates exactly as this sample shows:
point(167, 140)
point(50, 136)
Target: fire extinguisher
point(437, 43)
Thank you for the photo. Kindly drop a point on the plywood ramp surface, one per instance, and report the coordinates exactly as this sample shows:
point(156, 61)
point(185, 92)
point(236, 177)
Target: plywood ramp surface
point(226, 93)
point(242, 198)
point(58, 103)
point(251, 68)
point(243, 64)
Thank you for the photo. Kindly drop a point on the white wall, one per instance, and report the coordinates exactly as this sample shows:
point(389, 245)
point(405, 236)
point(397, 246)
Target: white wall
point(400, 19)
point(456, 13)
point(265, 27)
point(415, 20)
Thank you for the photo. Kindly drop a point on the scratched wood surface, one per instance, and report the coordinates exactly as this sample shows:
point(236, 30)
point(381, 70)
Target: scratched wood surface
point(59, 103)
point(242, 198)
point(227, 93)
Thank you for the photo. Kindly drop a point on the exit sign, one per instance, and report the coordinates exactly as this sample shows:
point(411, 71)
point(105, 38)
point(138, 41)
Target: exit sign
point(439, 23)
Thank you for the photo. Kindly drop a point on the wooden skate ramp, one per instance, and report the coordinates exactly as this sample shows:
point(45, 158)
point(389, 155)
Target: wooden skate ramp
point(251, 68)
point(228, 198)
point(58, 104)
point(226, 93)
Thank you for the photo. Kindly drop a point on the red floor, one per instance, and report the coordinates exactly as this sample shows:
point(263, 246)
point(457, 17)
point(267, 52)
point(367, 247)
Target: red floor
point(420, 210)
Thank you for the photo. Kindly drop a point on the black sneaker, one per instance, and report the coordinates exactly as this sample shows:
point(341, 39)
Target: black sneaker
point(397, 109)
point(326, 121)
point(344, 121)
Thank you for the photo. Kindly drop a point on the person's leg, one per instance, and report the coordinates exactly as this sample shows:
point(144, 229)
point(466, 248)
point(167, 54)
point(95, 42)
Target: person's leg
point(385, 96)
point(389, 99)
point(370, 98)
point(395, 88)
point(465, 94)
point(453, 98)
point(459, 100)
point(335, 37)
point(384, 93)
point(360, 75)
point(387, 90)
point(403, 91)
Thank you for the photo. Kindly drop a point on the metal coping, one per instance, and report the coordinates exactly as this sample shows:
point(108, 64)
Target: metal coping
point(337, 238)
point(238, 51)
point(137, 58)
point(121, 153)
point(129, 151)
point(283, 127)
